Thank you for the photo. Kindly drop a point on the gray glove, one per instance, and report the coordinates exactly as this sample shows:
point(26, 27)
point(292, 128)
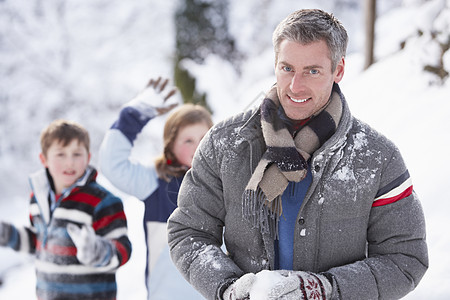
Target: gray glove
point(240, 289)
point(5, 232)
point(92, 250)
point(299, 285)
point(152, 101)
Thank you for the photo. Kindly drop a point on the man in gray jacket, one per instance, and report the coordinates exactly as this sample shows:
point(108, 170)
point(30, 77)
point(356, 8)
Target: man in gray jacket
point(310, 202)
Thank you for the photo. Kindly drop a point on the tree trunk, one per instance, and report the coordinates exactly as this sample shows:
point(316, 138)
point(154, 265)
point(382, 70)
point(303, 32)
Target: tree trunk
point(370, 16)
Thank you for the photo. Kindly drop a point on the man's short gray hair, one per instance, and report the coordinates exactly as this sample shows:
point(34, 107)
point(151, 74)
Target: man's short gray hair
point(312, 25)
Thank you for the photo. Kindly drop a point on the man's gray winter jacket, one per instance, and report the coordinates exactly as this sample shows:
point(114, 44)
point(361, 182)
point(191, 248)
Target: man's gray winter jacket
point(372, 251)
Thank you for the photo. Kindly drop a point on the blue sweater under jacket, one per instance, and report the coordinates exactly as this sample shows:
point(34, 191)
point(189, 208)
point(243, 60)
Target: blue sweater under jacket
point(292, 200)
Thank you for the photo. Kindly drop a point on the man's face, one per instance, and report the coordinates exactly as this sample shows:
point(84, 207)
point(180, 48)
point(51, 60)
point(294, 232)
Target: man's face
point(304, 77)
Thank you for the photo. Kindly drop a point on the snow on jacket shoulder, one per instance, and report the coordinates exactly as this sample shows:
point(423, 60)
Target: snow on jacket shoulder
point(360, 220)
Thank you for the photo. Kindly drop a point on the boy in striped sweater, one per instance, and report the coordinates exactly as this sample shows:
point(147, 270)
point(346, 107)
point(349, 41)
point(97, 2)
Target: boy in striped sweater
point(78, 230)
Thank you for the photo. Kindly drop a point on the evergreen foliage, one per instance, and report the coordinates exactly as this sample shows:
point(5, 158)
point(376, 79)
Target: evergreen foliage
point(201, 29)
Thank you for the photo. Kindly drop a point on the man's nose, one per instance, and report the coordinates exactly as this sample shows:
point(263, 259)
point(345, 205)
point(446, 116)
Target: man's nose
point(297, 83)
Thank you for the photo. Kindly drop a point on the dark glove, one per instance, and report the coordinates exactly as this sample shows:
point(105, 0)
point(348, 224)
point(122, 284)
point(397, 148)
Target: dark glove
point(5, 233)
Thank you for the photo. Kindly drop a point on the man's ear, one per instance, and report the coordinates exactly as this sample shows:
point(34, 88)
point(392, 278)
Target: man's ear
point(43, 159)
point(339, 72)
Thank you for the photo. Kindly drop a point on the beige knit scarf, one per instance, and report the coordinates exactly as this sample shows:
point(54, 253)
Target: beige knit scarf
point(285, 158)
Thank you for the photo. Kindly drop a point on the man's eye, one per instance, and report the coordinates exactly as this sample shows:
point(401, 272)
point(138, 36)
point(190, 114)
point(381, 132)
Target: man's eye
point(313, 71)
point(287, 69)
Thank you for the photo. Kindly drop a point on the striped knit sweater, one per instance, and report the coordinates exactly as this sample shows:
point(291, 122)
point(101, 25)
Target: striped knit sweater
point(59, 274)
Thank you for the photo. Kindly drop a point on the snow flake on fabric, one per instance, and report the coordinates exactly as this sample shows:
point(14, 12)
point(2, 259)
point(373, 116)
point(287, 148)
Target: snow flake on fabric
point(228, 141)
point(350, 168)
point(344, 174)
point(360, 140)
point(208, 256)
point(258, 262)
point(222, 143)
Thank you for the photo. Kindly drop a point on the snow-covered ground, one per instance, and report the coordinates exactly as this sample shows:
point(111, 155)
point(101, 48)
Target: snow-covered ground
point(395, 96)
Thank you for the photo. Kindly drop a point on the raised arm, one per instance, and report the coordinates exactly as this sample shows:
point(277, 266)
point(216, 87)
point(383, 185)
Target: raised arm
point(132, 177)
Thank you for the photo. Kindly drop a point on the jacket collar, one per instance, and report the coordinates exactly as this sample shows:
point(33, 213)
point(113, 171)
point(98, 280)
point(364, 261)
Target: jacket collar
point(251, 129)
point(338, 138)
point(41, 188)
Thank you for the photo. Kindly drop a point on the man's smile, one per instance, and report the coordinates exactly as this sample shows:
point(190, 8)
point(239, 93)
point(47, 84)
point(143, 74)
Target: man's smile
point(299, 100)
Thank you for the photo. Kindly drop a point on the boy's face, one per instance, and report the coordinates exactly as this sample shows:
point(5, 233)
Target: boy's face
point(66, 164)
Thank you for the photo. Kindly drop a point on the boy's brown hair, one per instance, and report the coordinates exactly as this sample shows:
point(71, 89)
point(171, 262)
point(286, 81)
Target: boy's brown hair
point(64, 132)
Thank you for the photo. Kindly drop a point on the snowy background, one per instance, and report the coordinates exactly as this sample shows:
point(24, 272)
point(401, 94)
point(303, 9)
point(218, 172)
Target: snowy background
point(82, 60)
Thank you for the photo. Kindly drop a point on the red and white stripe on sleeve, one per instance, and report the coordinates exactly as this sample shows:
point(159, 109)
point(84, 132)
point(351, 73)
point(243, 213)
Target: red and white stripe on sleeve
point(398, 189)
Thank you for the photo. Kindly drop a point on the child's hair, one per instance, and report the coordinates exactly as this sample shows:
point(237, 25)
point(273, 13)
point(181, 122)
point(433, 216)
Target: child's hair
point(185, 115)
point(64, 132)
